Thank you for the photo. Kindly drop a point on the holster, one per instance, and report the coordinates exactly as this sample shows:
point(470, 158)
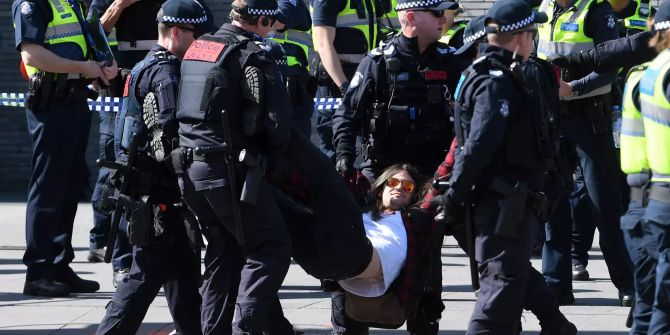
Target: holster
point(139, 214)
point(513, 207)
point(40, 88)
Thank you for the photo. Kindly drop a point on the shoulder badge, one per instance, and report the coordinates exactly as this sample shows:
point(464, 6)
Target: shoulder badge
point(356, 80)
point(27, 8)
point(496, 73)
point(504, 108)
point(206, 51)
point(611, 22)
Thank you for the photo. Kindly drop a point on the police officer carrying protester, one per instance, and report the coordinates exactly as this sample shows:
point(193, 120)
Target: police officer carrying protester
point(343, 32)
point(60, 68)
point(292, 31)
point(162, 252)
point(232, 98)
point(500, 170)
point(654, 104)
point(132, 24)
point(585, 107)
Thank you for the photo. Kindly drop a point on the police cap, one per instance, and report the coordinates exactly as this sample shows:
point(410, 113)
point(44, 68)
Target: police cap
point(474, 32)
point(426, 4)
point(193, 12)
point(662, 18)
point(261, 8)
point(512, 16)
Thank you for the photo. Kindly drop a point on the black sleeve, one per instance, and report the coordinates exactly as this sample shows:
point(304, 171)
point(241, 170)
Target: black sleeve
point(601, 25)
point(487, 131)
point(294, 14)
point(31, 18)
point(277, 103)
point(348, 118)
point(623, 52)
point(324, 12)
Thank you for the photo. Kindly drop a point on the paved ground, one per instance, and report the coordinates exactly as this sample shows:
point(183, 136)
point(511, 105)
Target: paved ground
point(595, 312)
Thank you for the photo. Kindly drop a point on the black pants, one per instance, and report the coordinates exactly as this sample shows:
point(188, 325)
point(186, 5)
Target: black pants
point(176, 268)
point(256, 269)
point(508, 282)
point(59, 134)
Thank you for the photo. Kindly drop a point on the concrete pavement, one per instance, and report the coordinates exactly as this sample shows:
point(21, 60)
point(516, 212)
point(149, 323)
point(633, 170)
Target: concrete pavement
point(596, 311)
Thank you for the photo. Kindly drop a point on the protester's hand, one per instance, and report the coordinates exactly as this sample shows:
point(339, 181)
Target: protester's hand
point(91, 69)
point(345, 166)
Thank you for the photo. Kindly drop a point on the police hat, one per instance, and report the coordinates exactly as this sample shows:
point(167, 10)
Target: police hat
point(261, 8)
point(512, 16)
point(662, 17)
point(425, 4)
point(474, 32)
point(194, 12)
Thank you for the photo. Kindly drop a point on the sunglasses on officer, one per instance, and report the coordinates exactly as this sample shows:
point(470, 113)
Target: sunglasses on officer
point(434, 12)
point(405, 185)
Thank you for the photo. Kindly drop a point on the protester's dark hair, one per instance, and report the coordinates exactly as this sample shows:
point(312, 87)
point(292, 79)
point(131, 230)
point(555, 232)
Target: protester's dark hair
point(376, 208)
point(239, 13)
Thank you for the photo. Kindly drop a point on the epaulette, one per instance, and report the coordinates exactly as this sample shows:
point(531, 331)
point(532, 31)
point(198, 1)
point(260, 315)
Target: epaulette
point(163, 57)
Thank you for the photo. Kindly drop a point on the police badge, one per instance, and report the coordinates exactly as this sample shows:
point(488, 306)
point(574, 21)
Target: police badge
point(27, 8)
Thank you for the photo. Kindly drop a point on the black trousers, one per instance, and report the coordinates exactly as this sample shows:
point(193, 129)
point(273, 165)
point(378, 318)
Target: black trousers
point(175, 267)
point(249, 276)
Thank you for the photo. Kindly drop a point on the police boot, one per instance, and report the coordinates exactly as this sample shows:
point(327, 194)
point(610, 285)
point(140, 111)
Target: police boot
point(150, 117)
point(566, 328)
point(252, 93)
point(45, 288)
point(76, 283)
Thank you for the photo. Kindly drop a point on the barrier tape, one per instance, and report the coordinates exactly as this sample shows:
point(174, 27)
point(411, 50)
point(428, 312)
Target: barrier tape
point(110, 104)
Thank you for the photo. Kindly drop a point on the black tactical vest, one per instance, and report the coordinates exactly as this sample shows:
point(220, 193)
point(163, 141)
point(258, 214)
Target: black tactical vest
point(411, 116)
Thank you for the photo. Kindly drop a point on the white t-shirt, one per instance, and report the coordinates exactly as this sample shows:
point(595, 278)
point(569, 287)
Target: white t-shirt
point(389, 238)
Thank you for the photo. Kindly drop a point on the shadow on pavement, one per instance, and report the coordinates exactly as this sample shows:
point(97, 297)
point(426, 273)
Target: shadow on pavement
point(145, 329)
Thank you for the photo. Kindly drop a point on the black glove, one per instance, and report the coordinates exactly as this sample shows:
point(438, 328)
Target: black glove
point(344, 87)
point(448, 212)
point(572, 61)
point(345, 166)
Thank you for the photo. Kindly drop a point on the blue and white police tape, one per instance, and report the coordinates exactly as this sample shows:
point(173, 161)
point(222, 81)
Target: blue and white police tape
point(109, 104)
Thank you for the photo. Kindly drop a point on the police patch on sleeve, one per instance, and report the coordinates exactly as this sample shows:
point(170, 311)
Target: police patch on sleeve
point(356, 80)
point(504, 108)
point(27, 8)
point(611, 22)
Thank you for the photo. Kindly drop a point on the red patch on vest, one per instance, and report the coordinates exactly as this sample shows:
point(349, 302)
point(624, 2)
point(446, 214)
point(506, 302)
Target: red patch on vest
point(436, 75)
point(126, 87)
point(206, 51)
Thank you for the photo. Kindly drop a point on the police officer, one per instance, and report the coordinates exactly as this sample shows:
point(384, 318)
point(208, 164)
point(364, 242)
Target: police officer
point(636, 15)
point(162, 252)
point(58, 121)
point(229, 80)
point(578, 26)
point(343, 32)
point(499, 168)
point(132, 24)
point(388, 23)
point(398, 97)
point(453, 36)
point(292, 31)
point(635, 164)
point(654, 100)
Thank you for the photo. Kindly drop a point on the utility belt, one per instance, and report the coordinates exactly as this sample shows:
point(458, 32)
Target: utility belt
point(516, 198)
point(659, 193)
point(640, 194)
point(45, 87)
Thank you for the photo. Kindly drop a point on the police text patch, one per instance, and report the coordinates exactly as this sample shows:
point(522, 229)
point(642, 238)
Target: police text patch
point(436, 75)
point(206, 51)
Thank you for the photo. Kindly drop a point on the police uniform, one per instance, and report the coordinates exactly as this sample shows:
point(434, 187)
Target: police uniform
point(635, 165)
point(58, 123)
point(355, 34)
point(388, 23)
point(636, 15)
point(135, 34)
point(499, 168)
point(254, 252)
point(585, 125)
point(296, 41)
point(165, 257)
point(654, 100)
